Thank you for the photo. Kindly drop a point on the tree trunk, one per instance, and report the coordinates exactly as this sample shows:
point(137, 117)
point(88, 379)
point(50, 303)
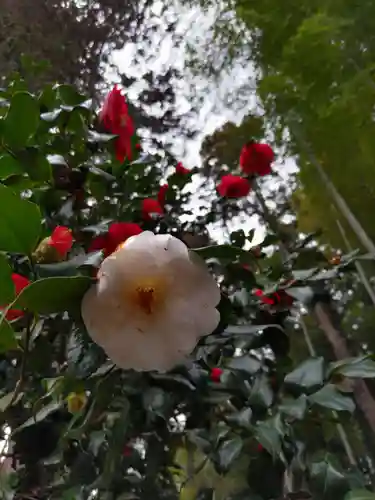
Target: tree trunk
point(330, 324)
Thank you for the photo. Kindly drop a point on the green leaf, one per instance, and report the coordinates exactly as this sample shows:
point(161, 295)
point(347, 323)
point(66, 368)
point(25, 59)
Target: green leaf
point(327, 481)
point(97, 137)
point(241, 418)
point(361, 367)
point(35, 164)
point(69, 267)
point(6, 283)
point(225, 252)
point(295, 408)
point(268, 436)
point(40, 415)
point(360, 495)
point(22, 119)
point(7, 337)
point(261, 394)
point(69, 95)
point(9, 166)
point(20, 223)
point(329, 397)
point(309, 374)
point(245, 363)
point(229, 450)
point(52, 295)
point(247, 329)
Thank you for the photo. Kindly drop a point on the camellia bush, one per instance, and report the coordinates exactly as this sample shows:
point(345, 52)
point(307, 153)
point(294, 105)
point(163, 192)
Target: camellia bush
point(140, 360)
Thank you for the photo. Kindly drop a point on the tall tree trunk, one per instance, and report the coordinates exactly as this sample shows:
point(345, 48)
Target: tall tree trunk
point(339, 201)
point(330, 324)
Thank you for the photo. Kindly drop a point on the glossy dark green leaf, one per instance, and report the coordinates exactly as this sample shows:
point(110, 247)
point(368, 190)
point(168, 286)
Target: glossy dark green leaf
point(40, 415)
point(6, 283)
point(69, 95)
point(308, 374)
point(327, 481)
point(241, 418)
point(35, 164)
point(156, 401)
point(247, 364)
point(20, 223)
point(69, 267)
point(229, 450)
point(303, 294)
point(247, 329)
point(268, 436)
point(51, 295)
point(9, 166)
point(225, 252)
point(94, 136)
point(7, 336)
point(295, 408)
point(22, 120)
point(329, 397)
point(261, 394)
point(57, 160)
point(361, 367)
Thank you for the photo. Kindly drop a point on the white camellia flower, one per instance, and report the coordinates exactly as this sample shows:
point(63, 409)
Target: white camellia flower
point(152, 302)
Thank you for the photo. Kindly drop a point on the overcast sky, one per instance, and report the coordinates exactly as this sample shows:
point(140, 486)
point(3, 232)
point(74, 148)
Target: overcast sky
point(219, 97)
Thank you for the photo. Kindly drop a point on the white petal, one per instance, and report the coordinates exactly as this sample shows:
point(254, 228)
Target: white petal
point(192, 279)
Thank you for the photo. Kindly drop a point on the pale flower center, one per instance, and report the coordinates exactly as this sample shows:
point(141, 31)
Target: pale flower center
point(147, 296)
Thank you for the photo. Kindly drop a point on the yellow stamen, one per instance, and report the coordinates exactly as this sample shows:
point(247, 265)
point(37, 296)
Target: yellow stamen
point(146, 298)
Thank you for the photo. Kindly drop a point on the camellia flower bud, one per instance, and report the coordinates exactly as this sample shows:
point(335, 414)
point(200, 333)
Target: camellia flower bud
point(152, 302)
point(76, 402)
point(54, 248)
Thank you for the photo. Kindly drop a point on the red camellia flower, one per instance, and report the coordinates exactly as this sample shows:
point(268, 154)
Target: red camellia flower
point(151, 206)
point(162, 194)
point(233, 186)
point(260, 447)
point(20, 282)
point(256, 158)
point(118, 232)
point(180, 169)
point(62, 240)
point(215, 374)
point(116, 120)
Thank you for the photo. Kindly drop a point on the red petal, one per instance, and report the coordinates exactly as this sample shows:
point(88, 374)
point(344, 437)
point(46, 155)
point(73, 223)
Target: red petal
point(98, 243)
point(61, 239)
point(233, 186)
point(119, 232)
point(20, 282)
point(180, 169)
point(215, 374)
point(151, 206)
point(162, 194)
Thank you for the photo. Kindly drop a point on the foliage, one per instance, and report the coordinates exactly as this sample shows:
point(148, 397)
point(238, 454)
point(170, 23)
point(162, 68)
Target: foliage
point(79, 425)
